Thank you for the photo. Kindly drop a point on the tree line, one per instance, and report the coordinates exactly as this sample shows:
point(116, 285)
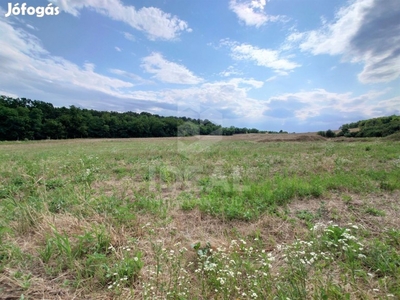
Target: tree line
point(25, 119)
point(376, 127)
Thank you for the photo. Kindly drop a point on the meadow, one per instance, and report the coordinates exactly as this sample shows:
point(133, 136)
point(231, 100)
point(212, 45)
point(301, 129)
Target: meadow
point(241, 217)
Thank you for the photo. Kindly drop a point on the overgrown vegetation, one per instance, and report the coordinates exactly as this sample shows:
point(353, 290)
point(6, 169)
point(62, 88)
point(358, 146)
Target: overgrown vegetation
point(329, 133)
point(34, 120)
point(376, 127)
point(227, 219)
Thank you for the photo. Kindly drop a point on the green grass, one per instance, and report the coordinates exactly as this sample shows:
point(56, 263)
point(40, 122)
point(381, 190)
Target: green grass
point(147, 219)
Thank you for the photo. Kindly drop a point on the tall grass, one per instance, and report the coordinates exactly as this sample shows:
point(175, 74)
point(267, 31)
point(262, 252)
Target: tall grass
point(151, 220)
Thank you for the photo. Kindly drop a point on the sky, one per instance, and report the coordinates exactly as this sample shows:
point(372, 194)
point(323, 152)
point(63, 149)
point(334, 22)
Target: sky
point(292, 65)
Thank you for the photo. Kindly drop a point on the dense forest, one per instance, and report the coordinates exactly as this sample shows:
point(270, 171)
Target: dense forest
point(376, 127)
point(24, 119)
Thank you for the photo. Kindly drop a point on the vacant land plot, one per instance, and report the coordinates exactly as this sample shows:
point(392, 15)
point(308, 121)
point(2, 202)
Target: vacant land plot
point(290, 216)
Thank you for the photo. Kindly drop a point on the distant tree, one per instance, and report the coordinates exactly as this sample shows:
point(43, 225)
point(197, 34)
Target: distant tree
point(330, 134)
point(22, 118)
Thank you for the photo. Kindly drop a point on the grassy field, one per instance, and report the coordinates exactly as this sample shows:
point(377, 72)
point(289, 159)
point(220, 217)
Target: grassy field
point(242, 217)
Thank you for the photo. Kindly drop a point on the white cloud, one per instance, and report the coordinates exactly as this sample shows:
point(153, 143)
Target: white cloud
point(228, 97)
point(33, 72)
point(133, 77)
point(319, 102)
point(29, 65)
point(387, 107)
point(129, 36)
point(5, 93)
point(229, 72)
point(250, 82)
point(151, 20)
point(272, 78)
point(364, 31)
point(261, 57)
point(167, 71)
point(31, 27)
point(118, 49)
point(251, 12)
point(333, 38)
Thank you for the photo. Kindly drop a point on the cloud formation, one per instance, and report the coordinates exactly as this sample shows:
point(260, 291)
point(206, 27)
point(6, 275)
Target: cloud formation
point(135, 79)
point(30, 66)
point(365, 31)
point(155, 23)
point(261, 57)
point(251, 12)
point(33, 72)
point(167, 71)
point(306, 105)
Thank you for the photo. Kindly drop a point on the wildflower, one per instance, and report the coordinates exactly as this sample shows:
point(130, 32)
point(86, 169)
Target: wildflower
point(135, 258)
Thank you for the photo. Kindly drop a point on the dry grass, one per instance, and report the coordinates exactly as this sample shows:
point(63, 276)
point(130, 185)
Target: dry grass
point(121, 178)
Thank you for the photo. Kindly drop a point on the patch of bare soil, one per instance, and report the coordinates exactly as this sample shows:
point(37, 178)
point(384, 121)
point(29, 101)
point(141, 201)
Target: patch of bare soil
point(39, 288)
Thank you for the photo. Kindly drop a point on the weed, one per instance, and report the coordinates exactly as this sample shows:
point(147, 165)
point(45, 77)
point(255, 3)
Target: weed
point(131, 201)
point(374, 212)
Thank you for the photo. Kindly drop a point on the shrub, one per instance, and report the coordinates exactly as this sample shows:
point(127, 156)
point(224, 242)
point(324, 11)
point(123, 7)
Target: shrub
point(330, 134)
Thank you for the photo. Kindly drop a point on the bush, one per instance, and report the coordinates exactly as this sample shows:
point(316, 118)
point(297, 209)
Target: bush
point(330, 134)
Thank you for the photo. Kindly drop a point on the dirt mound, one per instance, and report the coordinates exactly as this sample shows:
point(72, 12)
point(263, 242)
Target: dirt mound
point(311, 138)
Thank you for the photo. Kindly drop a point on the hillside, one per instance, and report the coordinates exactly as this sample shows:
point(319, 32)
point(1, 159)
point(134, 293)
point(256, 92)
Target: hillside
point(376, 127)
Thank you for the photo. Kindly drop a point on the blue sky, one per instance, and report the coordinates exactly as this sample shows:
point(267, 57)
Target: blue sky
point(295, 65)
